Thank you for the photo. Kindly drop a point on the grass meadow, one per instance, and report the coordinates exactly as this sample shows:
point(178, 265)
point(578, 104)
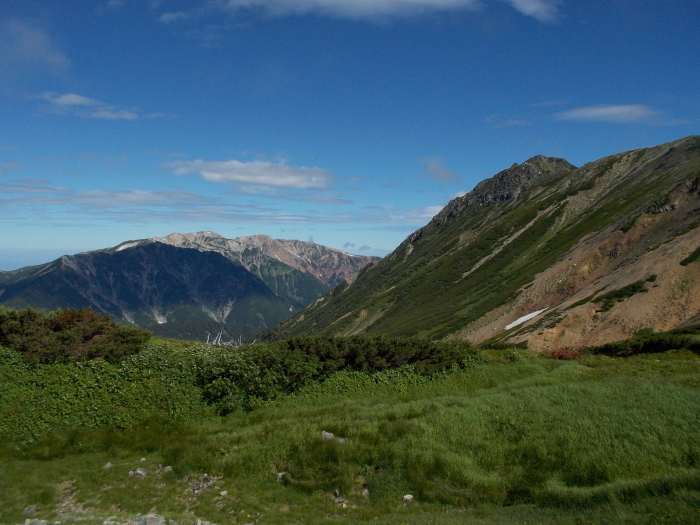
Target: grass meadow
point(507, 437)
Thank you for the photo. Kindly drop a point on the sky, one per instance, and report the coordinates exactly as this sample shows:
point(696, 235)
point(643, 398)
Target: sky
point(346, 122)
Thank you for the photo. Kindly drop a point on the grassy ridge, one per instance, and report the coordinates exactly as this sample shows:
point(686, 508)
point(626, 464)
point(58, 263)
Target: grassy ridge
point(430, 285)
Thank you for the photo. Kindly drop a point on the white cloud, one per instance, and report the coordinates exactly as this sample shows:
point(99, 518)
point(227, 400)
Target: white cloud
point(256, 174)
point(71, 99)
point(609, 113)
point(498, 120)
point(26, 48)
point(168, 18)
point(414, 216)
point(435, 167)
point(9, 166)
point(90, 108)
point(131, 198)
point(543, 10)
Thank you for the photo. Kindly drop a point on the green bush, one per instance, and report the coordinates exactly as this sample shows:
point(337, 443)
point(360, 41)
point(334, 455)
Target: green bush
point(691, 258)
point(66, 335)
point(610, 299)
point(648, 342)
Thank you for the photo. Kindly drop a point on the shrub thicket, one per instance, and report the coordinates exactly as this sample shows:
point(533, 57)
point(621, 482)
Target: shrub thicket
point(610, 299)
point(66, 335)
point(648, 342)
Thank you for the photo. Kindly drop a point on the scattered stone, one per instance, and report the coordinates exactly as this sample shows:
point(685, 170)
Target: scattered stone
point(168, 469)
point(200, 486)
point(112, 520)
point(223, 493)
point(172, 522)
point(152, 519)
point(141, 472)
point(329, 436)
point(34, 522)
point(142, 460)
point(281, 476)
point(29, 510)
point(107, 466)
point(408, 498)
point(336, 493)
point(338, 500)
point(365, 492)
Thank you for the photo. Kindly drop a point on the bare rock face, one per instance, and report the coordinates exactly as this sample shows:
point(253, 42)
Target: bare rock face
point(328, 265)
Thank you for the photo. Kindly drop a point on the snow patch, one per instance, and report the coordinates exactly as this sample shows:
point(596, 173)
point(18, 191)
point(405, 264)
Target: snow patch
point(524, 318)
point(127, 245)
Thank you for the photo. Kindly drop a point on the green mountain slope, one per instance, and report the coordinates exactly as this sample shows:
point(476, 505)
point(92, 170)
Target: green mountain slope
point(507, 249)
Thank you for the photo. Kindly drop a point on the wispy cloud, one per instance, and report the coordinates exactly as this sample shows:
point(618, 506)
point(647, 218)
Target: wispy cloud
point(620, 114)
point(27, 49)
point(169, 18)
point(498, 120)
point(543, 10)
point(9, 166)
point(435, 168)
point(256, 175)
point(71, 103)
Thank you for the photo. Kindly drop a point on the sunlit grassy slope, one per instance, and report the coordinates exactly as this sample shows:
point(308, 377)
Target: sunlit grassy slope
point(483, 248)
point(508, 438)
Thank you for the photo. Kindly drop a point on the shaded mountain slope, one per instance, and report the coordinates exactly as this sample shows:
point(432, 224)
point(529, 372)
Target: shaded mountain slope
point(542, 235)
point(298, 271)
point(185, 285)
point(154, 284)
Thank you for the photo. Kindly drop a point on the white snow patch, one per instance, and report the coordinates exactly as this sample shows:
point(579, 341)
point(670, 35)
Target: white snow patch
point(127, 245)
point(524, 318)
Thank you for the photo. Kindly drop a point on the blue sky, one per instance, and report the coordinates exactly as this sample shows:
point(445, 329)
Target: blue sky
point(349, 122)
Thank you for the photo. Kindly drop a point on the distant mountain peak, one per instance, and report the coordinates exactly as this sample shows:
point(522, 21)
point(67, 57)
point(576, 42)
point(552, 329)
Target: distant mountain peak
point(184, 284)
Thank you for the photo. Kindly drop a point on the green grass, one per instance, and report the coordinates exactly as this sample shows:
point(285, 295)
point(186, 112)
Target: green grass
point(505, 440)
point(695, 256)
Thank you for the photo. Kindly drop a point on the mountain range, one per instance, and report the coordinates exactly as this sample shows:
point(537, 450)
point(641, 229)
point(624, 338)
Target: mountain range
point(542, 252)
point(185, 285)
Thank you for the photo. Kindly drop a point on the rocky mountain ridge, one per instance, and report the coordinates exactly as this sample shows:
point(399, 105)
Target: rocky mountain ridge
point(187, 284)
point(542, 238)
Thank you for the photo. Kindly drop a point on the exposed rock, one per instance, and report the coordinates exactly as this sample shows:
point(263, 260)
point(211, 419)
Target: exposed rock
point(408, 498)
point(107, 466)
point(29, 510)
point(152, 519)
point(365, 492)
point(168, 469)
point(329, 436)
point(200, 486)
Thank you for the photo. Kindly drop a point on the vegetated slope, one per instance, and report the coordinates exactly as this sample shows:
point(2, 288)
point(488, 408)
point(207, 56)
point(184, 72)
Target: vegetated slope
point(185, 285)
point(542, 235)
